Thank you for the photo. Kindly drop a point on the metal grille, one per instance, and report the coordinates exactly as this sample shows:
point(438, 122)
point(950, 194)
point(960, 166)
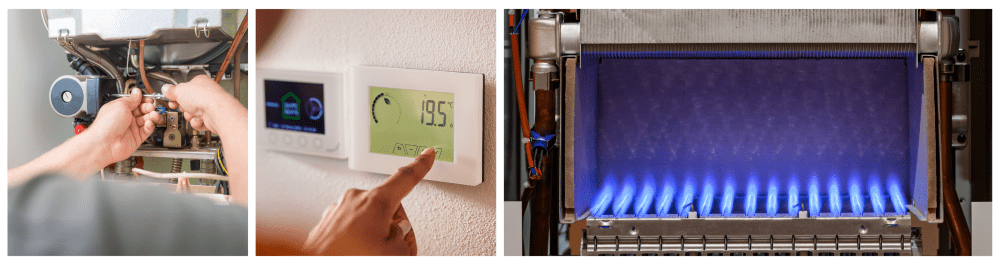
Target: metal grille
point(749, 237)
point(747, 26)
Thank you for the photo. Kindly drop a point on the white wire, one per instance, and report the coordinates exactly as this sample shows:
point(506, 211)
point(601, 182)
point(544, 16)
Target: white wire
point(179, 175)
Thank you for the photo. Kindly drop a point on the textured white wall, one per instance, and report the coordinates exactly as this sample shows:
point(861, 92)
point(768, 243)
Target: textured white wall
point(448, 219)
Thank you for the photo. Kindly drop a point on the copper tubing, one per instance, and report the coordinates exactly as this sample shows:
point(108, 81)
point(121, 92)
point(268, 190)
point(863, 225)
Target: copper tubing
point(232, 49)
point(236, 72)
point(515, 52)
point(954, 217)
point(142, 71)
point(545, 111)
point(522, 109)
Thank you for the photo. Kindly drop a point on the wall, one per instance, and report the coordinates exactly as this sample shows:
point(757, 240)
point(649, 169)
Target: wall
point(448, 219)
point(33, 63)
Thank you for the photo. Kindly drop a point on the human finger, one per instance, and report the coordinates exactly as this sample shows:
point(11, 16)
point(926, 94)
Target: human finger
point(398, 185)
point(197, 124)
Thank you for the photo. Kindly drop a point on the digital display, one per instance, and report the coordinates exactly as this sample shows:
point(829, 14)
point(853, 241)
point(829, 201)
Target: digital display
point(405, 122)
point(294, 106)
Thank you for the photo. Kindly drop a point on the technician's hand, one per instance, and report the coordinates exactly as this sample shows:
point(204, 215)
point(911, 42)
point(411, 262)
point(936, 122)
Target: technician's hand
point(371, 222)
point(118, 130)
point(121, 126)
point(199, 100)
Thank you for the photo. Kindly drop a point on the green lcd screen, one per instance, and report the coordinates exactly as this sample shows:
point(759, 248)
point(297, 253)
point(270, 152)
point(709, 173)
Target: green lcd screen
point(405, 122)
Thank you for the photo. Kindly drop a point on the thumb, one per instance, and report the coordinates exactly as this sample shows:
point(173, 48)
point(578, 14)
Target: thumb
point(169, 92)
point(134, 99)
point(396, 243)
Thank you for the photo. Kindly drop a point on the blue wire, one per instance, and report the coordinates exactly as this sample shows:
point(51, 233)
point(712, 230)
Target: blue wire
point(525, 12)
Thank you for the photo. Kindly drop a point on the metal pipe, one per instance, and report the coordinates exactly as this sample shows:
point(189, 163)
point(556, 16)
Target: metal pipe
point(162, 77)
point(142, 71)
point(232, 50)
point(954, 217)
point(97, 59)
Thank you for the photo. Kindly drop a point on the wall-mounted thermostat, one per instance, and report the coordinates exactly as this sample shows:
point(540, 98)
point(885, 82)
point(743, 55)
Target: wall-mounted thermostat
point(301, 112)
point(397, 113)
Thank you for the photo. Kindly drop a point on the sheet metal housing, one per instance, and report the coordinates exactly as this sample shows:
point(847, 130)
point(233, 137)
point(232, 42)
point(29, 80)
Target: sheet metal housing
point(752, 30)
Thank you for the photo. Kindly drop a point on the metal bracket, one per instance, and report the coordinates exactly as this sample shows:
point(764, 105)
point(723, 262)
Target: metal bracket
point(203, 23)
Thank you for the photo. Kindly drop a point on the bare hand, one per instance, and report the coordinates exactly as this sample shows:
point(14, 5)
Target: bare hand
point(371, 222)
point(196, 99)
point(121, 126)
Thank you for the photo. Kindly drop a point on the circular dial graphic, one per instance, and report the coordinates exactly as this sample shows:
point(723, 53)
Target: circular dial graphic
point(314, 109)
point(385, 109)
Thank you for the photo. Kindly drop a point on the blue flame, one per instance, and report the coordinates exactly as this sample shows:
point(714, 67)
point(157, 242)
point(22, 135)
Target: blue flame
point(815, 205)
point(875, 192)
point(857, 198)
point(625, 196)
point(793, 196)
point(750, 200)
point(645, 199)
point(666, 196)
point(707, 195)
point(836, 204)
point(896, 194)
point(687, 196)
point(620, 196)
point(772, 196)
point(604, 196)
point(728, 196)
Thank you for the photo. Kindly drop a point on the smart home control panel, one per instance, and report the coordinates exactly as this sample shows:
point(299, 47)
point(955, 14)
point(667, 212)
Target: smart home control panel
point(301, 112)
point(397, 113)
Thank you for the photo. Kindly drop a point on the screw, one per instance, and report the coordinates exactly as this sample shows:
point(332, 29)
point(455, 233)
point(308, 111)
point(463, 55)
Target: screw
point(961, 138)
point(960, 57)
point(171, 137)
point(863, 230)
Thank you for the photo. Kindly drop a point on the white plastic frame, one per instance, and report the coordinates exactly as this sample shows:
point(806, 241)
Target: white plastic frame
point(468, 90)
point(332, 139)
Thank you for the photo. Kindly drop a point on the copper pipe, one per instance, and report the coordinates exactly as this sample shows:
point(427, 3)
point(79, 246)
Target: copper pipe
point(142, 71)
point(522, 108)
point(515, 56)
point(236, 72)
point(954, 217)
point(545, 110)
point(232, 49)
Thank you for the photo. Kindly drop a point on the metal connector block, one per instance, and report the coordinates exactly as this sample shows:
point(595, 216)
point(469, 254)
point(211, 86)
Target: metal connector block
point(854, 236)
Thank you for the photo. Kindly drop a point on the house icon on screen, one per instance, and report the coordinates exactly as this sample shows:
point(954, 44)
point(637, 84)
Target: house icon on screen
point(290, 104)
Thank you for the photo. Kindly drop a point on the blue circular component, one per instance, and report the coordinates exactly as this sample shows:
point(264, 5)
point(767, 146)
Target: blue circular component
point(74, 94)
point(314, 108)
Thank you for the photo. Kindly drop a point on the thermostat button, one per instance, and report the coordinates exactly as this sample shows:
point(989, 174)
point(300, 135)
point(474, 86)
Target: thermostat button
point(272, 138)
point(287, 139)
point(302, 141)
point(318, 143)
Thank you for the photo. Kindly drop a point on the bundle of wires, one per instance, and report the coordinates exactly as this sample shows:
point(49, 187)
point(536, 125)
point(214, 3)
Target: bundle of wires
point(220, 168)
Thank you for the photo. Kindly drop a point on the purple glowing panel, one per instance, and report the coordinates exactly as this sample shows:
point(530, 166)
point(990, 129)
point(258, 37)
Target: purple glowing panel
point(787, 117)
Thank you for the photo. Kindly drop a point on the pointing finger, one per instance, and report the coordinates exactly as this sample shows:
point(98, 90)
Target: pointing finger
point(402, 182)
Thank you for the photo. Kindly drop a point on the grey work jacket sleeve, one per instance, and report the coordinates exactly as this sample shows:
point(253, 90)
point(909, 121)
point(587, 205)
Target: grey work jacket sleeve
point(51, 215)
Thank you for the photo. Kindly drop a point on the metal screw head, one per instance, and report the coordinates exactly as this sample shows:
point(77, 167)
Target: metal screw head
point(67, 96)
point(171, 137)
point(863, 230)
point(634, 231)
point(961, 138)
